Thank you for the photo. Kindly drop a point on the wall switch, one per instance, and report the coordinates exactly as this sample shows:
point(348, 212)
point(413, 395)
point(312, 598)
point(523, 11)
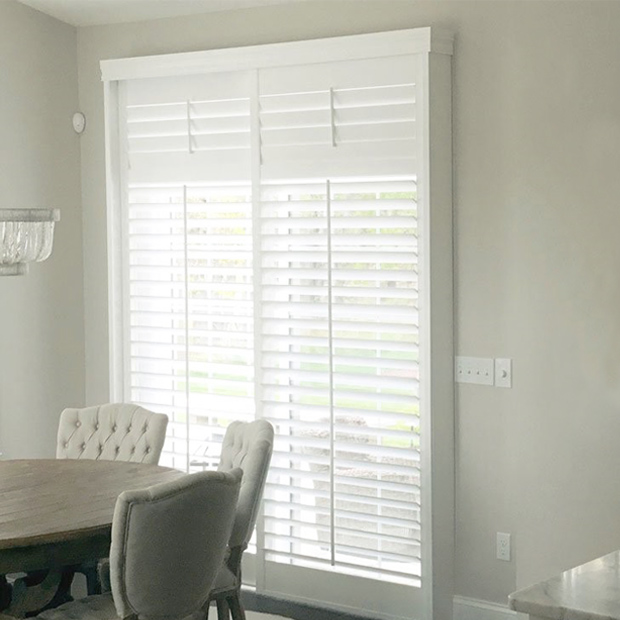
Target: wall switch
point(474, 370)
point(502, 546)
point(503, 372)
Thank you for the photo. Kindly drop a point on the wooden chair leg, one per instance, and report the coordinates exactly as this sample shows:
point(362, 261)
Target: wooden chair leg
point(222, 609)
point(236, 608)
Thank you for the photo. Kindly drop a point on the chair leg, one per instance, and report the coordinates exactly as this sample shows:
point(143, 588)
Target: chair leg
point(236, 608)
point(222, 609)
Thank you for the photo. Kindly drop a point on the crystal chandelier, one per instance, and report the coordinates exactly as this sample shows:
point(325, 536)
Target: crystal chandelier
point(26, 235)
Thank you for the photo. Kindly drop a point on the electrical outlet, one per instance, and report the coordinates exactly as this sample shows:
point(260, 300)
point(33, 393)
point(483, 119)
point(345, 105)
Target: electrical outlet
point(502, 546)
point(474, 370)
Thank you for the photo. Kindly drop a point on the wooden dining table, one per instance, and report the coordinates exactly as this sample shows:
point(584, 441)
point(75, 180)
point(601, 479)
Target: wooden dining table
point(58, 513)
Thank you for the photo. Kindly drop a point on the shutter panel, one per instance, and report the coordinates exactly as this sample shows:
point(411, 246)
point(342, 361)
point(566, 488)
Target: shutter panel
point(190, 259)
point(339, 316)
point(338, 119)
point(305, 188)
point(340, 374)
point(189, 129)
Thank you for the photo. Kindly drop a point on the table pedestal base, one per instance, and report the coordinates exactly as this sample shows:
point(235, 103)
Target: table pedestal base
point(32, 594)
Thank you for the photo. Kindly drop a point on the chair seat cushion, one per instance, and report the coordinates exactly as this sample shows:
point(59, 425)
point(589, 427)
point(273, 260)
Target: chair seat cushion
point(100, 607)
point(224, 582)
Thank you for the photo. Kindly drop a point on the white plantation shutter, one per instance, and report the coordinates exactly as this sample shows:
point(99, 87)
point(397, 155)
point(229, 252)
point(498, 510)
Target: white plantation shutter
point(189, 259)
point(339, 310)
point(191, 329)
point(340, 375)
point(338, 119)
point(272, 264)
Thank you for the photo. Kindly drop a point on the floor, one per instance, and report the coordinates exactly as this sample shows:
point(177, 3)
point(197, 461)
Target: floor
point(79, 589)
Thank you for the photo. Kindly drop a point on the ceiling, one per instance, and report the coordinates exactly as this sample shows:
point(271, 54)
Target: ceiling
point(97, 12)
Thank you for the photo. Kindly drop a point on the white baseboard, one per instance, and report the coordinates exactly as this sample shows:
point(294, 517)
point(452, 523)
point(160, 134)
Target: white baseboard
point(473, 609)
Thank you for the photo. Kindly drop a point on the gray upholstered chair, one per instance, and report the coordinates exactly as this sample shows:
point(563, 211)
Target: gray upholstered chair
point(168, 543)
point(249, 447)
point(113, 432)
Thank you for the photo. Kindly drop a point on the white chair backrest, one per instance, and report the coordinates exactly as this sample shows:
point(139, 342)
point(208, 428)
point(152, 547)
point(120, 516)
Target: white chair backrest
point(168, 543)
point(247, 445)
point(112, 432)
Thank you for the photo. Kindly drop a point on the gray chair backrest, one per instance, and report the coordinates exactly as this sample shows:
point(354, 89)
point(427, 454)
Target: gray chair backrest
point(112, 432)
point(247, 445)
point(168, 543)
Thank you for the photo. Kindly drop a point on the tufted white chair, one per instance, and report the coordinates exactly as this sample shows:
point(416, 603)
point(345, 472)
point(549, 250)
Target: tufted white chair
point(113, 432)
point(168, 542)
point(247, 446)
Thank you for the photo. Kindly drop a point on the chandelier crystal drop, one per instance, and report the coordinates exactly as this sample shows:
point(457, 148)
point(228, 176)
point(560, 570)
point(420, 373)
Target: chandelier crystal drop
point(26, 235)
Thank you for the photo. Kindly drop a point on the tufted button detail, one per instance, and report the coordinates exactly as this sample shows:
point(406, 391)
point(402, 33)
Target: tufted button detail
point(129, 429)
point(66, 444)
point(147, 450)
point(145, 428)
point(97, 426)
point(133, 449)
point(78, 424)
point(114, 428)
point(83, 446)
point(117, 449)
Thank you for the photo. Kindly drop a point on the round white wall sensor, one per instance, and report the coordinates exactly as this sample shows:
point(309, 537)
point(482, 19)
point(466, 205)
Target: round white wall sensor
point(79, 122)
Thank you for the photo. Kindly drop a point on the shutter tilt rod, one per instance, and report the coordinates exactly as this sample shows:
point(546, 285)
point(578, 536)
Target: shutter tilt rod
point(332, 113)
point(189, 128)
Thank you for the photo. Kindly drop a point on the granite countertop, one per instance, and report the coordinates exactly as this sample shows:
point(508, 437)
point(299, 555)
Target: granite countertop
point(588, 592)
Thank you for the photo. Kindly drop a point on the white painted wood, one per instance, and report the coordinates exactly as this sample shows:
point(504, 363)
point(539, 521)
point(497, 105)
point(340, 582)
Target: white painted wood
point(437, 424)
point(473, 609)
point(374, 45)
point(114, 226)
point(433, 157)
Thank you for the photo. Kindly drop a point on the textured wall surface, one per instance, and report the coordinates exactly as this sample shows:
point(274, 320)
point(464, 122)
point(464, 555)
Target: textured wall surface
point(536, 135)
point(41, 314)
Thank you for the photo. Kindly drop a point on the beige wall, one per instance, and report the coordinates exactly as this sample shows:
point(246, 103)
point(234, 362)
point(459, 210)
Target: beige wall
point(41, 314)
point(537, 217)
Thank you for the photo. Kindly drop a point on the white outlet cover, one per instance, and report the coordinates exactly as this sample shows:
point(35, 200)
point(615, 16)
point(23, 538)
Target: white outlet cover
point(503, 547)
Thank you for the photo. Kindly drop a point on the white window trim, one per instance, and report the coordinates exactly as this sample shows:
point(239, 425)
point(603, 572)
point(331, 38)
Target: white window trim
point(374, 45)
point(435, 48)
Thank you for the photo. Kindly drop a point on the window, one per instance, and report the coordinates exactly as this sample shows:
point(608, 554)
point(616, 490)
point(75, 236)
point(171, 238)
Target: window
point(270, 247)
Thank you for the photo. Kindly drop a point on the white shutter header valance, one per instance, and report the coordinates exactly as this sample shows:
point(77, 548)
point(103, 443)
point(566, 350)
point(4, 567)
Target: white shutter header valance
point(373, 45)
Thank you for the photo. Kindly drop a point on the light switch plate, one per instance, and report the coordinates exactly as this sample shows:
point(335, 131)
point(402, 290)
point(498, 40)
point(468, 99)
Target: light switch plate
point(503, 372)
point(478, 370)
